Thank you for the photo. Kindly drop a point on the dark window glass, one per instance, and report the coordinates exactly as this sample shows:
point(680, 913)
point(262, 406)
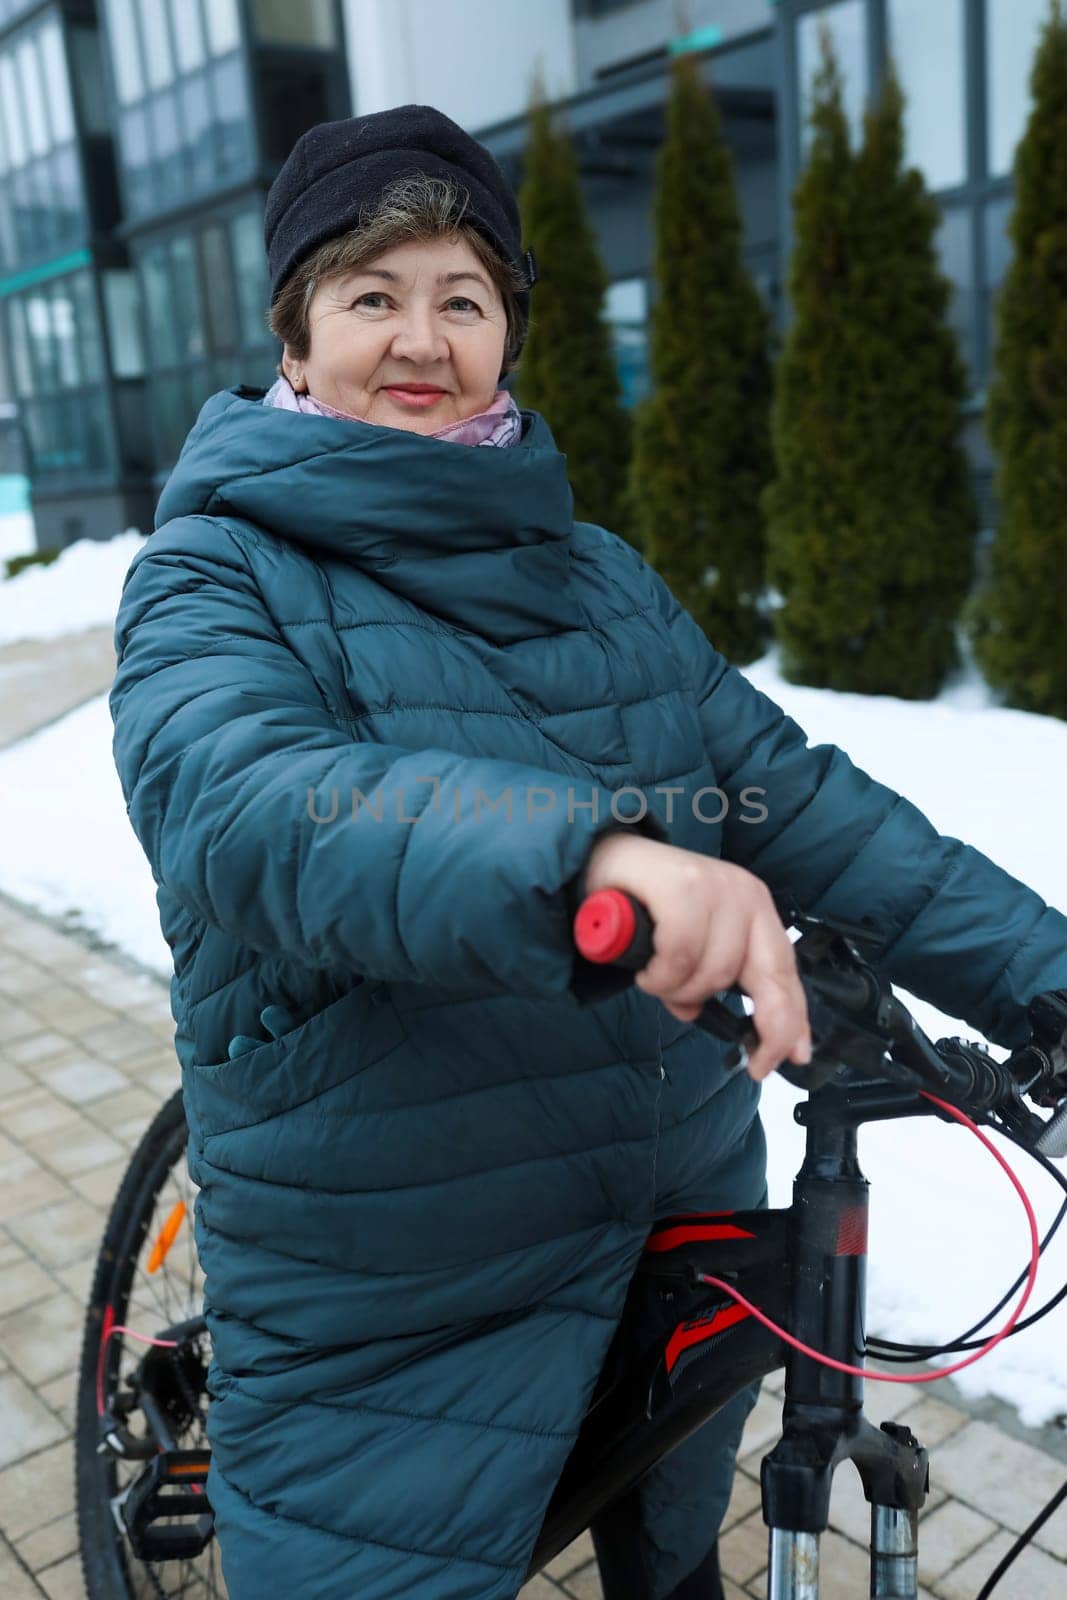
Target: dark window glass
point(135, 156)
point(954, 244)
point(998, 254)
point(65, 330)
point(159, 301)
point(220, 301)
point(173, 413)
point(232, 134)
point(197, 153)
point(250, 268)
point(43, 353)
point(88, 70)
point(63, 178)
point(294, 98)
point(88, 325)
point(187, 312)
point(7, 230)
point(163, 119)
point(21, 369)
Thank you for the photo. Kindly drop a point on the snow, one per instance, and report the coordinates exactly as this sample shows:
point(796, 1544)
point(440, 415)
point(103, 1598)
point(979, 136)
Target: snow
point(16, 536)
point(80, 589)
point(948, 1234)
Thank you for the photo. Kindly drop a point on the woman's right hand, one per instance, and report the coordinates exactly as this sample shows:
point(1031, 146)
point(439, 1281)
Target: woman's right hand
point(715, 925)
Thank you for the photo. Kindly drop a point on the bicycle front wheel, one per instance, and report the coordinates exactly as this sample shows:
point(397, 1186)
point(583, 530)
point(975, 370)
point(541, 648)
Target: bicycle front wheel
point(147, 1281)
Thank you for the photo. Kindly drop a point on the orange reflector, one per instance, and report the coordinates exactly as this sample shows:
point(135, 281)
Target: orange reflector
point(167, 1235)
point(186, 1469)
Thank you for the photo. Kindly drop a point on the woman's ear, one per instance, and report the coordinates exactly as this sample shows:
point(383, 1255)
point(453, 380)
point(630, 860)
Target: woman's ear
point(293, 370)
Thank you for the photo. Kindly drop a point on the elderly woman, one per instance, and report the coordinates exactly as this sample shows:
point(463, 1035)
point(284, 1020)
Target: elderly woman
point(383, 711)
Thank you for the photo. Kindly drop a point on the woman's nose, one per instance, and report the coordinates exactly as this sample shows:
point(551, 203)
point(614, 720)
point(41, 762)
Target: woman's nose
point(419, 336)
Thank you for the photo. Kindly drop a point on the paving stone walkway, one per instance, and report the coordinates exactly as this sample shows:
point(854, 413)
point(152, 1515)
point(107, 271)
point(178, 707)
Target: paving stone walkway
point(86, 1058)
point(42, 679)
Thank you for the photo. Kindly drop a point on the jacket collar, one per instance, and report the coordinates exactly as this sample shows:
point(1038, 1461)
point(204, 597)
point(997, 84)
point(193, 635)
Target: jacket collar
point(480, 537)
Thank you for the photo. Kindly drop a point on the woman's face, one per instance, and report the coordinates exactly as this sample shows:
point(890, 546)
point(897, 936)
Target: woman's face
point(394, 323)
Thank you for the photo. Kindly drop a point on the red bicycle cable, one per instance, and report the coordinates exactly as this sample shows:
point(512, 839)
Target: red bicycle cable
point(942, 1372)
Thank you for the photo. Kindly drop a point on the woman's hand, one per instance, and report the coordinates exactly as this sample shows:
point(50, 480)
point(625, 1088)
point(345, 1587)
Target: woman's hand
point(715, 925)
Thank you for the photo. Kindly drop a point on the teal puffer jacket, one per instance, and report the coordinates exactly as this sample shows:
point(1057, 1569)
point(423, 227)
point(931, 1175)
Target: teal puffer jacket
point(426, 1176)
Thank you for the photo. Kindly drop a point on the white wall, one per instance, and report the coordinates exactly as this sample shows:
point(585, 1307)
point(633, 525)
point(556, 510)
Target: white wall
point(472, 59)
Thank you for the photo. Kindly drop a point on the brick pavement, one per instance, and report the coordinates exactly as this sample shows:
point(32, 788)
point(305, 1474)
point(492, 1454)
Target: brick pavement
point(86, 1058)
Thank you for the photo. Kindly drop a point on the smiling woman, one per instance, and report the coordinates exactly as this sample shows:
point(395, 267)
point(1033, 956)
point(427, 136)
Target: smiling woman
point(372, 324)
point(416, 355)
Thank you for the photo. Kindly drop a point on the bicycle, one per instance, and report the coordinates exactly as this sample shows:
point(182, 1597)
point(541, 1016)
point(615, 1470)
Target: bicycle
point(744, 1293)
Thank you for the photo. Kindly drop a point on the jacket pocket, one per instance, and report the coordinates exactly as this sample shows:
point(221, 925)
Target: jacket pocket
point(348, 1036)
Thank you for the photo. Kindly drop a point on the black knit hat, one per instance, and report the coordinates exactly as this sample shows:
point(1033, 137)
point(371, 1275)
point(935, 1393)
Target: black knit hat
point(336, 172)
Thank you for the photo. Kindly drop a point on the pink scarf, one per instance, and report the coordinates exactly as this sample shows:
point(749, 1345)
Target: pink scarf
point(501, 424)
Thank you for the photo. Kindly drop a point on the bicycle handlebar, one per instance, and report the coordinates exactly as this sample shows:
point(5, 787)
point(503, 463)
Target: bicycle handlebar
point(858, 1023)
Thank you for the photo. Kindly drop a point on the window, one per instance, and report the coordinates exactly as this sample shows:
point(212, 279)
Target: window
point(223, 26)
point(250, 270)
point(125, 54)
point(58, 84)
point(12, 112)
point(156, 35)
point(927, 46)
point(626, 309)
point(232, 129)
point(159, 305)
point(188, 34)
point(123, 311)
point(1012, 33)
point(224, 334)
point(956, 252)
point(996, 218)
point(846, 22)
point(66, 337)
point(186, 309)
point(33, 96)
point(310, 23)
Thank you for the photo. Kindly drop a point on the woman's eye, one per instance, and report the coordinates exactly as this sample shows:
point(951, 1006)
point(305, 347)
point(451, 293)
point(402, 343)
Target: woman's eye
point(376, 294)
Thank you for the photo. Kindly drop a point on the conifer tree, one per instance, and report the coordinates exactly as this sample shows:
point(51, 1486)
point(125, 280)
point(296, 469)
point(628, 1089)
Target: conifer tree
point(701, 455)
point(1019, 622)
point(871, 518)
point(568, 369)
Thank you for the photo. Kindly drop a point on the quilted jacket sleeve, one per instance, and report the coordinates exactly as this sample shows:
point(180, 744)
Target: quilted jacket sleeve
point(958, 930)
point(227, 755)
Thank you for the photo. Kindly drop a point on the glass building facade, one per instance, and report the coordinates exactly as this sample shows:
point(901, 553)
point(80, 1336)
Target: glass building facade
point(138, 139)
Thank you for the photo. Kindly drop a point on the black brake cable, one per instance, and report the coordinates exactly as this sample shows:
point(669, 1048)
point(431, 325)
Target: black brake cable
point(890, 1351)
point(899, 1352)
point(1022, 1541)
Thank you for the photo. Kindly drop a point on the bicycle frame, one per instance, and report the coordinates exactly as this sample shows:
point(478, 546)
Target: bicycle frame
point(806, 1267)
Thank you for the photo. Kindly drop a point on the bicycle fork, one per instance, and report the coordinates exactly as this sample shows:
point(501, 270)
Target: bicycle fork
point(823, 1421)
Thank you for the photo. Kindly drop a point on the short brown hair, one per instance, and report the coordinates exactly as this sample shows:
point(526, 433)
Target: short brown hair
point(416, 206)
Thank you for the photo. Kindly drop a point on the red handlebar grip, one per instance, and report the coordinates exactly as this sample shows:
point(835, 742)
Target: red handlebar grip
point(604, 926)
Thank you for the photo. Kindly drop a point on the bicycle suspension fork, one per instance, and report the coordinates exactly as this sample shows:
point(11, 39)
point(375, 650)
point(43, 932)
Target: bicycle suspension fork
point(823, 1421)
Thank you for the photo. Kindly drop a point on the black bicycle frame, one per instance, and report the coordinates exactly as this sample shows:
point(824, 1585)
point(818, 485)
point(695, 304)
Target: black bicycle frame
point(806, 1268)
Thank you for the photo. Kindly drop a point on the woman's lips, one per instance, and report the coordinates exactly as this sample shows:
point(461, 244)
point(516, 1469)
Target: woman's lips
point(414, 397)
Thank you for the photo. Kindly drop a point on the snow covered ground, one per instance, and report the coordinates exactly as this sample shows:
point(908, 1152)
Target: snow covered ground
point(948, 1234)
